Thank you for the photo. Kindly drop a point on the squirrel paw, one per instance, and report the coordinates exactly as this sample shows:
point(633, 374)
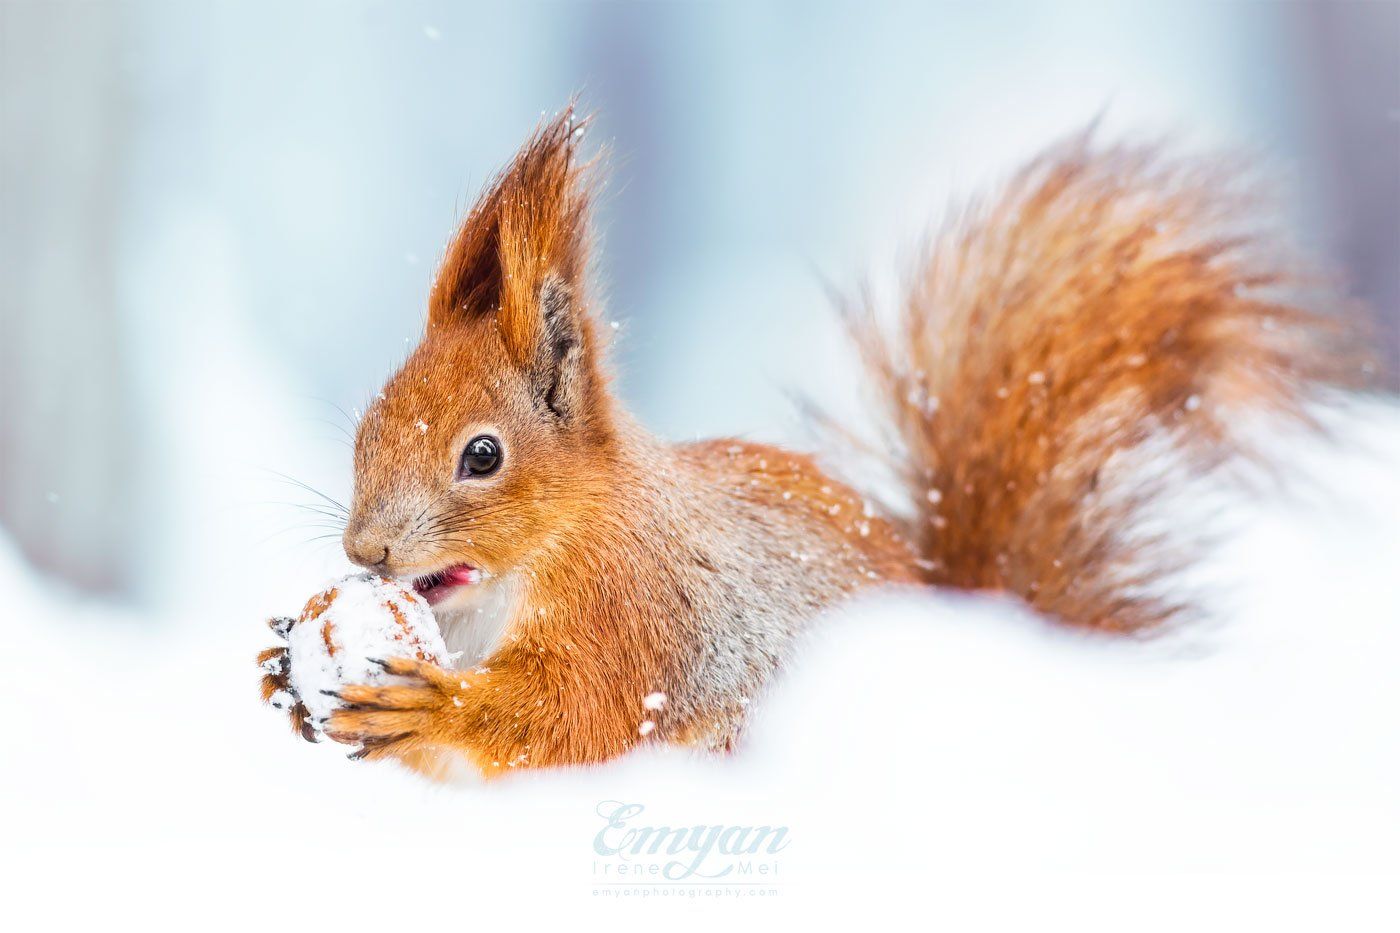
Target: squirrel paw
point(276, 687)
point(387, 720)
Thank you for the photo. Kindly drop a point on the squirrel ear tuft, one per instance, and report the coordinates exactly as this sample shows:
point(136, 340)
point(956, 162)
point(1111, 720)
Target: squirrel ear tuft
point(528, 228)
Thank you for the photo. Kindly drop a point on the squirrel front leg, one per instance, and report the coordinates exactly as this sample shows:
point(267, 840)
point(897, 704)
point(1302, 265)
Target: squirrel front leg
point(518, 710)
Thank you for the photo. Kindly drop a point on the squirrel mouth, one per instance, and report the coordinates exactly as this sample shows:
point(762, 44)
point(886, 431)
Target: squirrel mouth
point(435, 587)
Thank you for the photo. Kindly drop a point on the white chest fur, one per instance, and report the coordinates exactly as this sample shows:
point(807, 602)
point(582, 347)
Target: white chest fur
point(474, 619)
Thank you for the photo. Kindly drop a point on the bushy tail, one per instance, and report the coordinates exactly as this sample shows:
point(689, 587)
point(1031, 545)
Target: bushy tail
point(1106, 297)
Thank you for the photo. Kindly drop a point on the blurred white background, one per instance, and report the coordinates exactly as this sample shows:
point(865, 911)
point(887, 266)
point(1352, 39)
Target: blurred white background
point(220, 222)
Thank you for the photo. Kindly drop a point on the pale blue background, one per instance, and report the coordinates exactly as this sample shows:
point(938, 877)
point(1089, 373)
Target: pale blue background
point(221, 220)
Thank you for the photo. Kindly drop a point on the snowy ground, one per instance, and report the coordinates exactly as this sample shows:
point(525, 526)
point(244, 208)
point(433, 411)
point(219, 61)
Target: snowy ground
point(957, 760)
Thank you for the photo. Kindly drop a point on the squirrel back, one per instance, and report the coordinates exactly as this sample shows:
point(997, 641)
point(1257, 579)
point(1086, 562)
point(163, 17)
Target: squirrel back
point(645, 591)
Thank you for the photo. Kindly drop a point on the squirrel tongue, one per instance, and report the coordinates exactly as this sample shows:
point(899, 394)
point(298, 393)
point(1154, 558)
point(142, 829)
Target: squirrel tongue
point(461, 575)
point(435, 587)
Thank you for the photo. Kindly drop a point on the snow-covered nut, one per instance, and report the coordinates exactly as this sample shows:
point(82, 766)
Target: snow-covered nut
point(359, 618)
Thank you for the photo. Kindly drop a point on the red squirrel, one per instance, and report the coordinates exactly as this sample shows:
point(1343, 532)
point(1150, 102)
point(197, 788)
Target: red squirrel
point(611, 588)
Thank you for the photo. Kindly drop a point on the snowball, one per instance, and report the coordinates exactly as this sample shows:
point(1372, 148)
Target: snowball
point(654, 700)
point(360, 617)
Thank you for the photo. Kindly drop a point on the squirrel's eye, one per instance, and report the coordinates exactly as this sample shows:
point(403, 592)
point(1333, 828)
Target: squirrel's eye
point(481, 457)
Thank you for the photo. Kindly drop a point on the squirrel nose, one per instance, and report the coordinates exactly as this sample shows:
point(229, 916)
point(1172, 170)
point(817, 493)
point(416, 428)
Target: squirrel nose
point(366, 549)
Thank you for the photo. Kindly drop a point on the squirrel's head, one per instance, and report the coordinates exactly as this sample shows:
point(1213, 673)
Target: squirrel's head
point(495, 436)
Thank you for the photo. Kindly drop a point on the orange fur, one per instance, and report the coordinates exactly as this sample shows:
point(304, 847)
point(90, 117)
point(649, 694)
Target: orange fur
point(1093, 304)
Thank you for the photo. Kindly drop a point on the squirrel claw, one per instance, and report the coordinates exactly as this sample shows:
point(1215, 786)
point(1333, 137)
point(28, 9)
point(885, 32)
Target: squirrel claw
point(375, 747)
